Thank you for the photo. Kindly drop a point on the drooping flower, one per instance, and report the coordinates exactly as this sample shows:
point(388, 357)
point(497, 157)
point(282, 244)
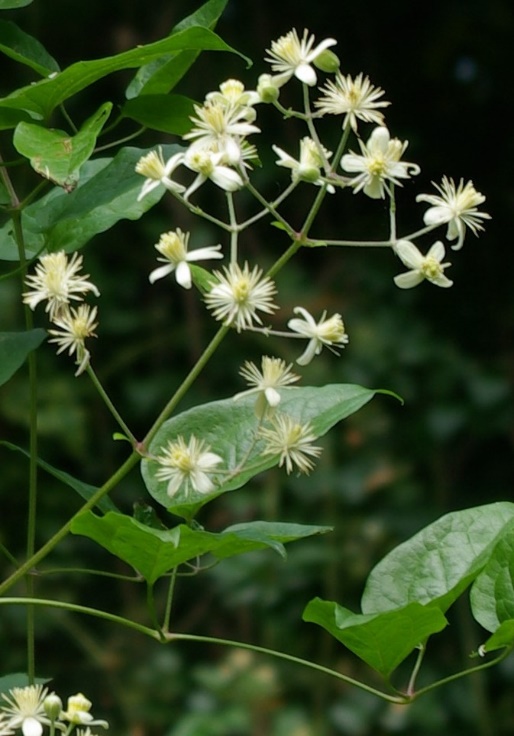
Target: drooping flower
point(157, 172)
point(239, 295)
point(356, 99)
point(379, 163)
point(429, 267)
point(77, 712)
point(57, 281)
point(308, 167)
point(173, 246)
point(456, 205)
point(274, 374)
point(189, 464)
point(25, 709)
point(210, 165)
point(292, 441)
point(327, 332)
point(289, 56)
point(75, 326)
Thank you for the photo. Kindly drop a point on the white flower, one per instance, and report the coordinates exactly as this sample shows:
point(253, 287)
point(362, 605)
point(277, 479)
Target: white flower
point(422, 267)
point(327, 332)
point(308, 168)
point(289, 56)
point(233, 95)
point(220, 128)
point(25, 709)
point(157, 172)
point(190, 464)
point(77, 712)
point(239, 295)
point(457, 206)
point(355, 98)
point(291, 440)
point(210, 165)
point(275, 374)
point(173, 246)
point(75, 325)
point(57, 281)
point(380, 161)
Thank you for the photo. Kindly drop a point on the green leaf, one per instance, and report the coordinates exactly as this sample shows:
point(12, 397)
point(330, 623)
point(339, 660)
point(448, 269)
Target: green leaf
point(166, 113)
point(44, 96)
point(438, 563)
point(154, 552)
point(503, 637)
point(107, 192)
point(382, 640)
point(162, 74)
point(8, 4)
point(84, 490)
point(19, 679)
point(492, 594)
point(14, 349)
point(229, 427)
point(25, 49)
point(56, 155)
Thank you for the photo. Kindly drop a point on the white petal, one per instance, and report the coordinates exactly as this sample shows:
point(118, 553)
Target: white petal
point(379, 139)
point(409, 254)
point(226, 178)
point(204, 254)
point(161, 272)
point(437, 215)
point(375, 188)
point(183, 275)
point(31, 727)
point(306, 74)
point(201, 482)
point(272, 396)
point(436, 251)
point(441, 280)
point(351, 162)
point(408, 280)
point(309, 353)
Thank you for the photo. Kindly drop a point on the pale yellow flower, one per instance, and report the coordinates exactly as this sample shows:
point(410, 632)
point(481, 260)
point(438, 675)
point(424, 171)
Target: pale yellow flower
point(429, 267)
point(75, 326)
point(328, 332)
point(356, 99)
point(187, 464)
point(77, 712)
point(291, 56)
point(274, 374)
point(292, 441)
point(173, 247)
point(25, 709)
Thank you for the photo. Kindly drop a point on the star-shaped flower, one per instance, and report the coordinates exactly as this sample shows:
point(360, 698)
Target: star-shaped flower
point(289, 56)
point(327, 332)
point(210, 165)
point(379, 163)
point(173, 246)
point(429, 267)
point(356, 99)
point(25, 709)
point(75, 326)
point(292, 441)
point(456, 205)
point(189, 464)
point(308, 167)
point(274, 374)
point(158, 172)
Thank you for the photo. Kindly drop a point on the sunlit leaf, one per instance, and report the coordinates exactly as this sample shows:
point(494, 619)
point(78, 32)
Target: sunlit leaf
point(438, 563)
point(154, 552)
point(229, 427)
point(503, 637)
point(14, 349)
point(492, 594)
point(382, 640)
point(56, 155)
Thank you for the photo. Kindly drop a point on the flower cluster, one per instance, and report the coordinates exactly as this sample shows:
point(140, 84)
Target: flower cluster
point(29, 709)
point(58, 281)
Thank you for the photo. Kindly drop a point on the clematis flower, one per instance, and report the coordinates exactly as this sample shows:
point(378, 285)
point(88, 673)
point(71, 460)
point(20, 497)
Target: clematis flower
point(75, 326)
point(221, 129)
point(356, 99)
point(289, 56)
point(189, 464)
point(57, 281)
point(157, 172)
point(456, 205)
point(77, 712)
point(292, 441)
point(309, 166)
point(25, 709)
point(429, 267)
point(239, 295)
point(210, 165)
point(327, 332)
point(173, 246)
point(233, 95)
point(274, 374)
point(379, 162)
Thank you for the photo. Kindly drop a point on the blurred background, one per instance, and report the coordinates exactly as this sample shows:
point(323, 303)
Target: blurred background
point(385, 472)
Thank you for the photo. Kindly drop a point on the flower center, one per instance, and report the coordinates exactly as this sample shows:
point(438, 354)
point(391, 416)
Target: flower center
point(431, 268)
point(377, 165)
point(151, 166)
point(241, 290)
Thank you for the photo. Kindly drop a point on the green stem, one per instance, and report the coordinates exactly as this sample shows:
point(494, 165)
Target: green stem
point(75, 608)
point(313, 243)
point(107, 401)
point(399, 699)
point(150, 603)
point(392, 213)
point(111, 483)
point(120, 141)
point(416, 669)
point(234, 232)
point(341, 147)
point(169, 600)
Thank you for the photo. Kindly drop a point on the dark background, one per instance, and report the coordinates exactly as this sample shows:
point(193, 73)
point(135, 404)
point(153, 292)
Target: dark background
point(447, 69)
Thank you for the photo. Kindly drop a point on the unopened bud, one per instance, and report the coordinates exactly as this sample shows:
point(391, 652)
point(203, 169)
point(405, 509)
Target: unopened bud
point(267, 89)
point(53, 706)
point(327, 61)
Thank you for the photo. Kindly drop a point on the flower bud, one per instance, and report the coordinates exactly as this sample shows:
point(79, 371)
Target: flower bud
point(327, 61)
point(53, 706)
point(267, 89)
point(308, 173)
